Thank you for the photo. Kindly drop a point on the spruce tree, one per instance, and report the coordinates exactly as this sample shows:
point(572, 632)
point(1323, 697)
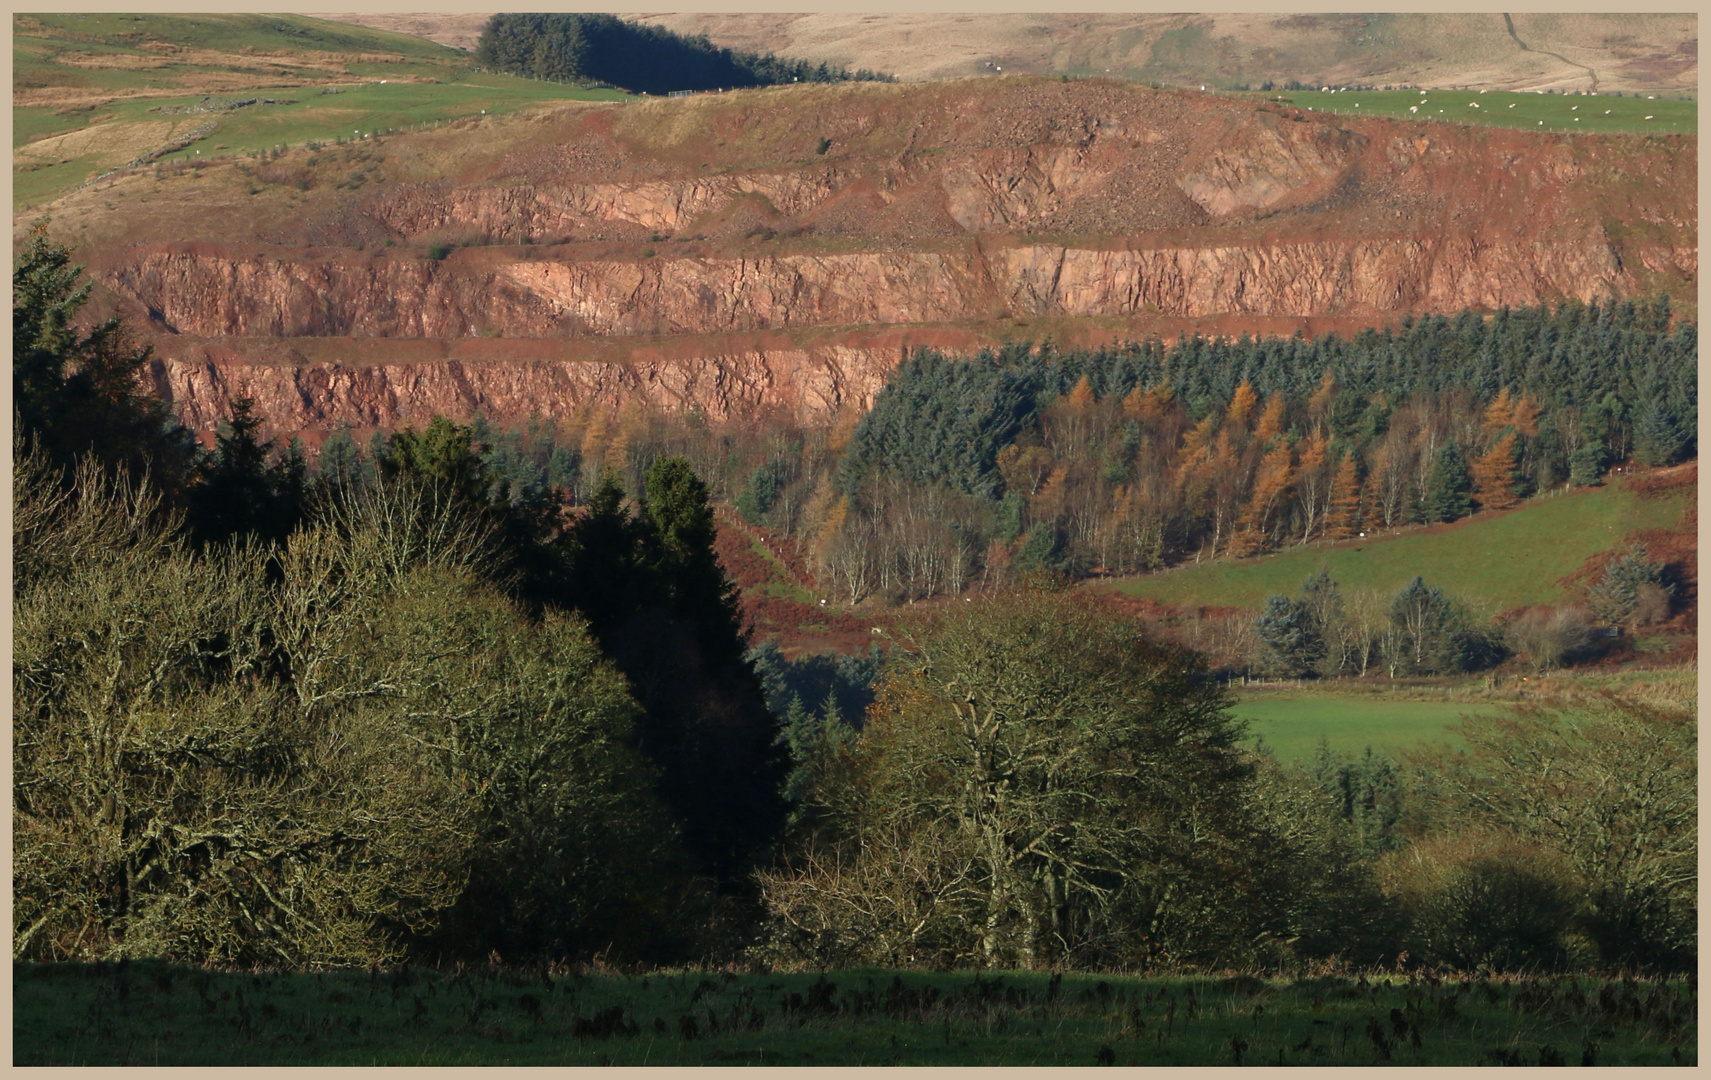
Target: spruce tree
point(76, 392)
point(1657, 437)
point(1290, 644)
point(1586, 465)
point(339, 465)
point(1447, 488)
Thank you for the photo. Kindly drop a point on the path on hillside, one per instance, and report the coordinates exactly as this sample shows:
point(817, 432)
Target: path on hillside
point(1510, 23)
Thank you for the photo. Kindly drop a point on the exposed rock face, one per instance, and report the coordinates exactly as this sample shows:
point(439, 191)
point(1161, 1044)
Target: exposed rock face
point(866, 218)
point(217, 293)
point(313, 398)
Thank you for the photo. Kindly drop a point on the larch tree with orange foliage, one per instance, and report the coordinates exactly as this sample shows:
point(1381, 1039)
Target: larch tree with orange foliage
point(1242, 405)
point(1271, 492)
point(1494, 474)
point(1270, 424)
point(1071, 420)
point(1344, 517)
point(1500, 413)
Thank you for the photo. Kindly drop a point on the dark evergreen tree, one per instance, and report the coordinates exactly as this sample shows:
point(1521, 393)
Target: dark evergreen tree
point(339, 465)
point(1367, 794)
point(1290, 641)
point(77, 392)
point(1616, 595)
point(1449, 487)
point(1658, 439)
point(763, 487)
point(243, 490)
point(1042, 551)
point(445, 455)
point(562, 467)
point(1586, 465)
point(585, 47)
point(655, 594)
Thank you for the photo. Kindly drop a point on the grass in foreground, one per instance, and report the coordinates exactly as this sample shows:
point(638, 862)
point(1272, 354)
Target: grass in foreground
point(1500, 561)
point(149, 1013)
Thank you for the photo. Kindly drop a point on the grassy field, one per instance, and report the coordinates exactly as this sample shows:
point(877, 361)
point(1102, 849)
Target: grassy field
point(1498, 561)
point(1574, 113)
point(150, 1013)
point(93, 92)
point(1292, 723)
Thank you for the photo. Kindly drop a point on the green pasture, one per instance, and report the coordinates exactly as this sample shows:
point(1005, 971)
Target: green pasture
point(1573, 113)
point(1291, 724)
point(1497, 561)
point(428, 84)
point(151, 1013)
point(363, 110)
point(306, 114)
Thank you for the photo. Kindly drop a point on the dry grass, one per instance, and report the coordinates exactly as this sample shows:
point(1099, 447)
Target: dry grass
point(120, 142)
point(1629, 51)
point(1625, 52)
point(451, 30)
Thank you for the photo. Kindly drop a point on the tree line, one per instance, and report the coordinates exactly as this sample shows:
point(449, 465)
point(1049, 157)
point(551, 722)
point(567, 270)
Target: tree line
point(582, 48)
point(975, 472)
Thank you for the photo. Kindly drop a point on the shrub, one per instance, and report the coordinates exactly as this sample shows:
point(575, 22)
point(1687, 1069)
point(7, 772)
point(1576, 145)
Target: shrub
point(1631, 589)
point(1483, 902)
point(1543, 639)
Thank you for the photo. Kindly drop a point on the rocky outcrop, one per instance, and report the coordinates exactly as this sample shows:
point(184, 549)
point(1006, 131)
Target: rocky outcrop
point(720, 381)
point(213, 292)
point(778, 249)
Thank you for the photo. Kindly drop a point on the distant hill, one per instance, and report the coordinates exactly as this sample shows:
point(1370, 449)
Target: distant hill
point(1606, 52)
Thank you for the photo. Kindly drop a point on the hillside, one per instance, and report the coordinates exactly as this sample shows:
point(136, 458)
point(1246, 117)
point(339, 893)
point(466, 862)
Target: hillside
point(92, 93)
point(1536, 51)
point(1534, 554)
point(782, 247)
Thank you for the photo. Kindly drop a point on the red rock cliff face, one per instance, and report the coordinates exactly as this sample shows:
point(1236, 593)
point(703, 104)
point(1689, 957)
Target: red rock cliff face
point(865, 218)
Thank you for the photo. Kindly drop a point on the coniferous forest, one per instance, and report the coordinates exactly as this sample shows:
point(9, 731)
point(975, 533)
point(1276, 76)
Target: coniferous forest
point(596, 48)
point(462, 692)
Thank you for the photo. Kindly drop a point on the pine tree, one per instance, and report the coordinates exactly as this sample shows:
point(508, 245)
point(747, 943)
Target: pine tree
point(562, 468)
point(76, 393)
point(682, 533)
point(445, 454)
point(1615, 597)
point(241, 492)
point(1447, 487)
